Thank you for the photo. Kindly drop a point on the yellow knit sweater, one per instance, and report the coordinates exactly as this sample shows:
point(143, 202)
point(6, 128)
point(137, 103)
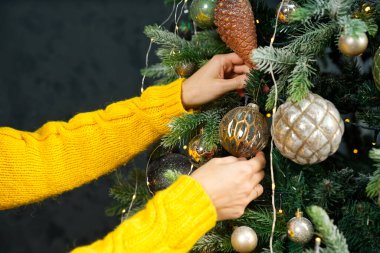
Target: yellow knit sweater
point(63, 155)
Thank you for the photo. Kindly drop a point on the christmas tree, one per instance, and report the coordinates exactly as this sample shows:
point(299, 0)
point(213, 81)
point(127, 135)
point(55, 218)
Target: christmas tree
point(312, 104)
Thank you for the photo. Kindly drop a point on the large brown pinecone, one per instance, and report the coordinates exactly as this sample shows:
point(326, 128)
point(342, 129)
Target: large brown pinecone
point(236, 26)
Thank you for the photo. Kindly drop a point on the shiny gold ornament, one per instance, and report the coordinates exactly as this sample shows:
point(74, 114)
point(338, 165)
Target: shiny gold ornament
point(353, 46)
point(376, 68)
point(185, 69)
point(244, 239)
point(309, 131)
point(244, 131)
point(198, 154)
point(236, 27)
point(202, 13)
point(287, 8)
point(300, 229)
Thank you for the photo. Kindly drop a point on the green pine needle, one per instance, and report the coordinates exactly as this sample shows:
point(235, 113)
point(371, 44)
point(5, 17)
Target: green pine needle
point(329, 233)
point(172, 175)
point(313, 38)
point(279, 59)
point(183, 128)
point(373, 188)
point(163, 37)
point(352, 27)
point(299, 80)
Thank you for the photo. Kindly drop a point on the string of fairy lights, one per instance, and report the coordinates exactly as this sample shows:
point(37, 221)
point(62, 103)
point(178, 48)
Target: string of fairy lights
point(174, 10)
point(271, 142)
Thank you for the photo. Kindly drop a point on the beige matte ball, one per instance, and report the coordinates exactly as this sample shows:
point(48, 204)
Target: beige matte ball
point(244, 239)
point(309, 131)
point(353, 46)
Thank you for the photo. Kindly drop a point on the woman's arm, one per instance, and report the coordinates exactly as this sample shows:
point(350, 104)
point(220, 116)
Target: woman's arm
point(172, 221)
point(63, 155)
point(177, 217)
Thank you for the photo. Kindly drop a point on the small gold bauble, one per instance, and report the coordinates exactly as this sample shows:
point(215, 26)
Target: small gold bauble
point(353, 46)
point(185, 69)
point(300, 229)
point(244, 239)
point(287, 8)
point(198, 154)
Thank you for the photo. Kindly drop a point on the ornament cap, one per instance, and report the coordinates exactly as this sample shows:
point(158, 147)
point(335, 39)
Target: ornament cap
point(299, 214)
point(254, 106)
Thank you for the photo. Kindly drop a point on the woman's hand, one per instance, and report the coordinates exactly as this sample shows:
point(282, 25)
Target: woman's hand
point(221, 74)
point(232, 183)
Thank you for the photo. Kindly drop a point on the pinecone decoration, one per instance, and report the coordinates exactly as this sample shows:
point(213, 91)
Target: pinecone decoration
point(236, 26)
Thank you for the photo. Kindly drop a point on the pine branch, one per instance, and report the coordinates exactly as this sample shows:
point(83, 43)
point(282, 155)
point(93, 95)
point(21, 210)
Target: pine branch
point(312, 8)
point(373, 187)
point(294, 247)
point(330, 190)
point(333, 239)
point(163, 37)
point(209, 40)
point(214, 242)
point(339, 8)
point(172, 175)
point(158, 71)
point(299, 80)
point(352, 27)
point(280, 59)
point(370, 22)
point(210, 136)
point(199, 50)
point(360, 223)
point(261, 221)
point(320, 8)
point(313, 38)
point(370, 115)
point(182, 128)
point(123, 191)
point(278, 247)
point(255, 84)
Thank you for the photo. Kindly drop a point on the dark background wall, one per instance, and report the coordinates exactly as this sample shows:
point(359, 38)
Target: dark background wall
point(58, 58)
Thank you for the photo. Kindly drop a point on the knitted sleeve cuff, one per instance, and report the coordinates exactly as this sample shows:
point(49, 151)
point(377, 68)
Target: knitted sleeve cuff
point(189, 211)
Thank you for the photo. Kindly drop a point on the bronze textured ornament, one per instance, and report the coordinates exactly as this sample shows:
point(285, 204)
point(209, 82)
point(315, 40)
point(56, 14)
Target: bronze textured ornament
point(236, 26)
point(244, 131)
